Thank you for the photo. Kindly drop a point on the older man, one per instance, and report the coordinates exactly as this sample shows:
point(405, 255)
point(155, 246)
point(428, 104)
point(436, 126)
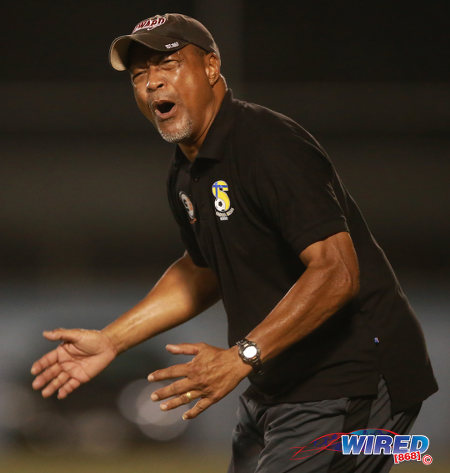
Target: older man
point(317, 319)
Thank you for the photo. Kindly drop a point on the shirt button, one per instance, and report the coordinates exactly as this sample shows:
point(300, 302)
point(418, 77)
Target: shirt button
point(196, 178)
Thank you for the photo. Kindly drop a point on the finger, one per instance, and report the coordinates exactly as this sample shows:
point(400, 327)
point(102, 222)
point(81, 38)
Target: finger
point(68, 387)
point(184, 348)
point(199, 407)
point(47, 376)
point(174, 389)
point(55, 384)
point(47, 360)
point(72, 335)
point(175, 371)
point(180, 400)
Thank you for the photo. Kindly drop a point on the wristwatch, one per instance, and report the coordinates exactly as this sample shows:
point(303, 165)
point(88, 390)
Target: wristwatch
point(250, 354)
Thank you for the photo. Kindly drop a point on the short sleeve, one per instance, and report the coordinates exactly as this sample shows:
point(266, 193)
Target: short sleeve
point(295, 189)
point(191, 245)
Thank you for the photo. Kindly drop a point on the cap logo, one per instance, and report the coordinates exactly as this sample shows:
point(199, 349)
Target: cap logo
point(150, 23)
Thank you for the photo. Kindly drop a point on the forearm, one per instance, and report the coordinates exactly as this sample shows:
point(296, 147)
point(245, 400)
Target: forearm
point(183, 292)
point(317, 295)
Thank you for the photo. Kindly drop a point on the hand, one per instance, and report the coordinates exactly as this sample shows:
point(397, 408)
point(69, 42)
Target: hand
point(81, 356)
point(210, 376)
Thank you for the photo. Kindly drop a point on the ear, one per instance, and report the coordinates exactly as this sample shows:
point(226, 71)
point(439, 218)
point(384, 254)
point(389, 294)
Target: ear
point(212, 68)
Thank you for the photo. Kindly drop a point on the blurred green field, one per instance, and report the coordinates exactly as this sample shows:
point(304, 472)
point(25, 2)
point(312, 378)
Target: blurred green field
point(153, 460)
point(160, 460)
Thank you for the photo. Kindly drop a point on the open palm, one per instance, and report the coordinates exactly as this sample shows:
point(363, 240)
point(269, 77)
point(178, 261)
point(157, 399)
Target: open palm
point(81, 356)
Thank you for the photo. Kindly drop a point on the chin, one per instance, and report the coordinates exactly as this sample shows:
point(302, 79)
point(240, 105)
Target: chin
point(176, 134)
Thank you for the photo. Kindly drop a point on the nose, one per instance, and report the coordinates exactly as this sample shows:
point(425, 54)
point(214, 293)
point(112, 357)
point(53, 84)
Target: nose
point(155, 79)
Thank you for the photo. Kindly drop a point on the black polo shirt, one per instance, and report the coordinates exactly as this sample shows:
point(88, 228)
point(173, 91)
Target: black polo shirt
point(260, 191)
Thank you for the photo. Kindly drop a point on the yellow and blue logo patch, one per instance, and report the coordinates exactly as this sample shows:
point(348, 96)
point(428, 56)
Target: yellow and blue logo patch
point(222, 202)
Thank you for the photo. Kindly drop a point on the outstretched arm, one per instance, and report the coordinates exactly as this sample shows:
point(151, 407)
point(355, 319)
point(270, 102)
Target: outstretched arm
point(183, 291)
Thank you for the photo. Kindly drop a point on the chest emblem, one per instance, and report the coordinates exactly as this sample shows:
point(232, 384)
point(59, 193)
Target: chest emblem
point(188, 206)
point(222, 201)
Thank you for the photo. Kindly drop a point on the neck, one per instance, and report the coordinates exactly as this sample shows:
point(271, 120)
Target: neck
point(191, 149)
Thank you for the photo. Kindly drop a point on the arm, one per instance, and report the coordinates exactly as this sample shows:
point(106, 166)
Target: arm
point(330, 280)
point(182, 292)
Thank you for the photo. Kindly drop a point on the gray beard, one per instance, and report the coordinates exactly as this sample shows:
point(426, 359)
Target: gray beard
point(179, 135)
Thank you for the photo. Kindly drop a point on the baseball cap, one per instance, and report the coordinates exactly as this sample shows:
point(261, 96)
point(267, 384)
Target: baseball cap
point(168, 32)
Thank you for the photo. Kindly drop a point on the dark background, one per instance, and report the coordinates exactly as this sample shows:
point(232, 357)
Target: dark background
point(298, 41)
point(79, 188)
point(84, 225)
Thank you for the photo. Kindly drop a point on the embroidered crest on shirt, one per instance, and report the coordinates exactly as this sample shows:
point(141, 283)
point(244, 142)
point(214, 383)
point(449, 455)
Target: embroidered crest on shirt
point(188, 206)
point(222, 201)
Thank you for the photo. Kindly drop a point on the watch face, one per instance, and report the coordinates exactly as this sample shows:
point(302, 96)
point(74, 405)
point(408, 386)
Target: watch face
point(250, 352)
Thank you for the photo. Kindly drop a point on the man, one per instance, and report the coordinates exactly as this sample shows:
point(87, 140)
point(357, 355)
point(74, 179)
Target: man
point(317, 319)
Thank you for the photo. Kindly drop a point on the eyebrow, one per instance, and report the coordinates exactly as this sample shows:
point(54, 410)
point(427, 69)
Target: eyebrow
point(157, 57)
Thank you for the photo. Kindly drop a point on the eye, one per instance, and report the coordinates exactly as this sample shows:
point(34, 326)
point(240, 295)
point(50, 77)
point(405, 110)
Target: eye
point(135, 77)
point(168, 64)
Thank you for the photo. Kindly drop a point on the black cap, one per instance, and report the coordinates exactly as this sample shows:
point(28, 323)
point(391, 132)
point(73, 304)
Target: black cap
point(168, 32)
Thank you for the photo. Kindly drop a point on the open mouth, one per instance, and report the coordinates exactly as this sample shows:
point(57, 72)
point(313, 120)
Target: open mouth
point(163, 108)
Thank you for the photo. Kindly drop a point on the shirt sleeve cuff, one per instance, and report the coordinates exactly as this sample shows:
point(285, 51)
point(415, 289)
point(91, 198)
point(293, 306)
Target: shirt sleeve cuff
point(198, 260)
point(318, 232)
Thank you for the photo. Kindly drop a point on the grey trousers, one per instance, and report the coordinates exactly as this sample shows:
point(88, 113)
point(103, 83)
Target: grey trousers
point(268, 437)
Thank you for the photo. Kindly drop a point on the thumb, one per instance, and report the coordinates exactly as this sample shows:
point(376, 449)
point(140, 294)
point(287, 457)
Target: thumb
point(63, 334)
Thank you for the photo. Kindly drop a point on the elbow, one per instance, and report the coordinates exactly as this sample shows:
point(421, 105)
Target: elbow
point(343, 282)
point(344, 279)
point(350, 282)
point(355, 286)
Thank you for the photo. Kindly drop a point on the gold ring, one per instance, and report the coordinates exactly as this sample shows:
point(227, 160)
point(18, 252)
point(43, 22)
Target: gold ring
point(189, 395)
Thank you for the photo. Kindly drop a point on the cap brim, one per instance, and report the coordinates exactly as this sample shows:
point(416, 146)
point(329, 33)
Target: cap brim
point(118, 52)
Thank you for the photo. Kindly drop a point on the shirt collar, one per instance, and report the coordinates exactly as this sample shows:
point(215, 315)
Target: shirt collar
point(214, 145)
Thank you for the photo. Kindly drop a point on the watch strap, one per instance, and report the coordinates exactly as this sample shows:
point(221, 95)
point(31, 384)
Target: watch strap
point(254, 361)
